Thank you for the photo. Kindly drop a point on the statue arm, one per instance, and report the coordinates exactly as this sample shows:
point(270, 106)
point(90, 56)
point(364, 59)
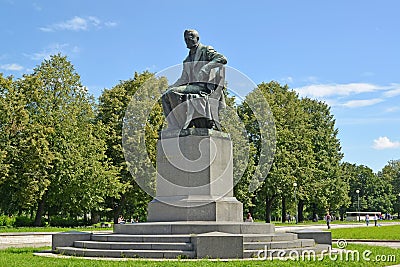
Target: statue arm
point(215, 60)
point(184, 79)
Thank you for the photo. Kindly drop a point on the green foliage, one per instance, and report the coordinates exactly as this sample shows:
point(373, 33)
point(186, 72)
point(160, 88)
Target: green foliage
point(307, 152)
point(7, 221)
point(145, 116)
point(375, 191)
point(23, 221)
point(54, 148)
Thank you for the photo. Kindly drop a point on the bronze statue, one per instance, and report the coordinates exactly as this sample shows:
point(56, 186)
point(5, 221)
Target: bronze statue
point(196, 97)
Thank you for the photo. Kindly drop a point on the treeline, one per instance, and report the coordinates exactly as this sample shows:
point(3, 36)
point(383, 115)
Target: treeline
point(62, 161)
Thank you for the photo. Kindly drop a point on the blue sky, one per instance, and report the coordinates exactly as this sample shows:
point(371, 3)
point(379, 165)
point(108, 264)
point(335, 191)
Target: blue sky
point(343, 52)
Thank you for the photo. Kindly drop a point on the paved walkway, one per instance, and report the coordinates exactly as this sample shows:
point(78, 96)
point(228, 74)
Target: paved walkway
point(34, 239)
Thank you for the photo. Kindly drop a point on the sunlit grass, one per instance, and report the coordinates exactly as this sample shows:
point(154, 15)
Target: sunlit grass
point(391, 232)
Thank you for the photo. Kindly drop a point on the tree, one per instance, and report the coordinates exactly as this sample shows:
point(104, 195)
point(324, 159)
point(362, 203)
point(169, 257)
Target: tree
point(143, 120)
point(25, 149)
point(329, 191)
point(284, 107)
point(243, 153)
point(59, 161)
point(307, 153)
point(375, 192)
point(391, 174)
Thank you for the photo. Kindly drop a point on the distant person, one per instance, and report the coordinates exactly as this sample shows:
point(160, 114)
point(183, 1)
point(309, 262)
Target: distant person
point(376, 220)
point(249, 218)
point(121, 219)
point(367, 219)
point(328, 220)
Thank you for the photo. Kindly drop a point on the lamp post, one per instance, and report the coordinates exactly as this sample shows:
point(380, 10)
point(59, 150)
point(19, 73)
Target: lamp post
point(358, 203)
point(295, 201)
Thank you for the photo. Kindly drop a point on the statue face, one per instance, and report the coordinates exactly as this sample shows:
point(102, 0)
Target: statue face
point(191, 39)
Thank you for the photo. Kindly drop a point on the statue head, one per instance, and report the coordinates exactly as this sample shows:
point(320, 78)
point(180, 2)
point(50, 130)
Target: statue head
point(191, 38)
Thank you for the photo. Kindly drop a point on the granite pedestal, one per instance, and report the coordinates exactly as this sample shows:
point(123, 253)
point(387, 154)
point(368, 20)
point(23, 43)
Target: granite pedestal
point(195, 178)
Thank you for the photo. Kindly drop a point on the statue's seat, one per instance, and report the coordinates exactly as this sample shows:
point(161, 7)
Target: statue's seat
point(202, 109)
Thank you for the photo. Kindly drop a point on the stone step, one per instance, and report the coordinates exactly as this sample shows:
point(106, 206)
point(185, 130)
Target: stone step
point(193, 227)
point(122, 253)
point(269, 237)
point(132, 245)
point(299, 243)
point(141, 238)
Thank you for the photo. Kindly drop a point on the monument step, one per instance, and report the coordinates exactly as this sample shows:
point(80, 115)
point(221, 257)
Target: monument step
point(269, 237)
point(299, 243)
point(141, 238)
point(124, 253)
point(132, 245)
point(193, 227)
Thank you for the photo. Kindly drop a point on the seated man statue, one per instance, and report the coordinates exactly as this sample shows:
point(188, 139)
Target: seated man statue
point(195, 98)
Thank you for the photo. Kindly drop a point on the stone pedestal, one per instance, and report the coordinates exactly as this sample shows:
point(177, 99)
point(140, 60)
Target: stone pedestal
point(195, 178)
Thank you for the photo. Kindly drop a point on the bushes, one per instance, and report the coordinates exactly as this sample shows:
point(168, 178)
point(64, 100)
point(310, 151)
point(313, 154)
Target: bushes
point(6, 221)
point(23, 221)
point(19, 221)
point(67, 221)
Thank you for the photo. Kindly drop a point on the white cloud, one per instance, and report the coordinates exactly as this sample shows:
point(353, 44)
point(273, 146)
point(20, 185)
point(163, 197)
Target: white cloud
point(362, 103)
point(78, 24)
point(393, 92)
point(385, 143)
point(94, 21)
point(11, 67)
point(324, 90)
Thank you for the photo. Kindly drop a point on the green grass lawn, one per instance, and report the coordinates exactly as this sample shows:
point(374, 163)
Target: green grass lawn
point(391, 232)
point(24, 257)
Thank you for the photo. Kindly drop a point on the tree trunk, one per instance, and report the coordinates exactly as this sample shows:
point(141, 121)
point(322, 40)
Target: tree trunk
point(118, 208)
point(94, 218)
point(314, 212)
point(300, 207)
point(39, 213)
point(251, 208)
point(283, 209)
point(268, 208)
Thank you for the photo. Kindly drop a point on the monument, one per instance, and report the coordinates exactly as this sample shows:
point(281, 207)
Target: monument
point(194, 213)
point(196, 97)
point(194, 163)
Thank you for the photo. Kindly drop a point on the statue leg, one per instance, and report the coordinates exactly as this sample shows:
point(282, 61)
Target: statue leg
point(174, 108)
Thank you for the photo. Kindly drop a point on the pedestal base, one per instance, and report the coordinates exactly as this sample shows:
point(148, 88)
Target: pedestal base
point(224, 209)
point(195, 178)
